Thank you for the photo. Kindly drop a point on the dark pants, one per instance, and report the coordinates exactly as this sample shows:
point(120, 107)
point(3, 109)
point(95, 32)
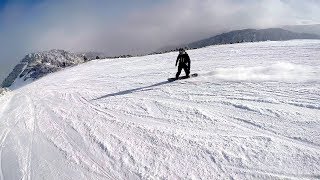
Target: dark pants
point(185, 68)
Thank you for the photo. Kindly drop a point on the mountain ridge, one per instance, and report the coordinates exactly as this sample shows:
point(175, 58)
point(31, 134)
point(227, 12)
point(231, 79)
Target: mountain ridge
point(36, 65)
point(310, 28)
point(245, 35)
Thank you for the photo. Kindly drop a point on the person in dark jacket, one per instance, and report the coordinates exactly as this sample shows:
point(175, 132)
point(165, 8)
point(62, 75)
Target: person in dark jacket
point(183, 60)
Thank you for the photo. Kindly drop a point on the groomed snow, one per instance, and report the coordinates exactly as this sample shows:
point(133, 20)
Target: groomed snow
point(252, 113)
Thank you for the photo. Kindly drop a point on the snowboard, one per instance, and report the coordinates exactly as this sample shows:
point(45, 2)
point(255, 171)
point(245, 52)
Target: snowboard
point(182, 77)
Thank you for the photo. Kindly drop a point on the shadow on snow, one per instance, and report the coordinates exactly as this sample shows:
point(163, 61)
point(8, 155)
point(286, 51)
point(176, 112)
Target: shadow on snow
point(129, 91)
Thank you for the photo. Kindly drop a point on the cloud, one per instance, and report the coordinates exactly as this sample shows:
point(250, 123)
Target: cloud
point(181, 22)
point(134, 26)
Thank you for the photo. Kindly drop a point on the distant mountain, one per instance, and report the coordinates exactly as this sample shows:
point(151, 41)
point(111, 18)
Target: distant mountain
point(247, 35)
point(311, 29)
point(36, 65)
point(252, 35)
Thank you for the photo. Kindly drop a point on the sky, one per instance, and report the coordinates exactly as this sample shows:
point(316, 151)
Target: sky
point(133, 26)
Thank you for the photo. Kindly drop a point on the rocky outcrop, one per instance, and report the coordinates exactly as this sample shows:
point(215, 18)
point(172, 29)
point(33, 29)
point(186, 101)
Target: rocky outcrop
point(3, 91)
point(36, 65)
point(93, 55)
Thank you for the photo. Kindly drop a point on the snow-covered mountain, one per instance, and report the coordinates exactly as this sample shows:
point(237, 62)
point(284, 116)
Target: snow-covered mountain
point(36, 65)
point(246, 35)
point(252, 113)
point(252, 35)
point(311, 29)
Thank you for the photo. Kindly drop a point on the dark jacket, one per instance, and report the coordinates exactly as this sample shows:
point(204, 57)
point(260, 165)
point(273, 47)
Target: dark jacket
point(183, 59)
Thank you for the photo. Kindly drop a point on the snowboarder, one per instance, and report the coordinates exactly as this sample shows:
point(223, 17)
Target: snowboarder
point(184, 63)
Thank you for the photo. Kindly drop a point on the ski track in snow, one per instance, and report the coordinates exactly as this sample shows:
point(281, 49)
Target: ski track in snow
point(252, 113)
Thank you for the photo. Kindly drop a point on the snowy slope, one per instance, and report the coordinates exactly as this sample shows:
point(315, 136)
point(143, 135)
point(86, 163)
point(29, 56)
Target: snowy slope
point(253, 113)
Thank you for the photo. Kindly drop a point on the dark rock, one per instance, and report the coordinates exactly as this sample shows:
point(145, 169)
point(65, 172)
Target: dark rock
point(36, 65)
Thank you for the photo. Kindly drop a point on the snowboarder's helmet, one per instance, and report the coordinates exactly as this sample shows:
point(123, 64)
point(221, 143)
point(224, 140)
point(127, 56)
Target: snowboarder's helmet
point(181, 50)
